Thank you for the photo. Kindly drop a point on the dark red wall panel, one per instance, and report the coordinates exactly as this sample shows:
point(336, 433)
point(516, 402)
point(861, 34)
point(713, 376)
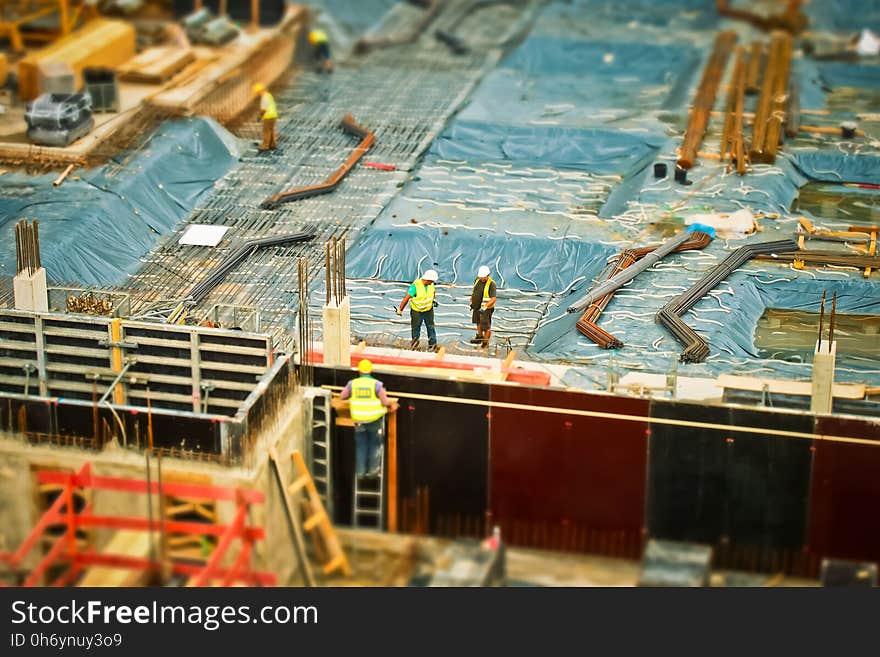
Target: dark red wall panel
point(549, 469)
point(845, 496)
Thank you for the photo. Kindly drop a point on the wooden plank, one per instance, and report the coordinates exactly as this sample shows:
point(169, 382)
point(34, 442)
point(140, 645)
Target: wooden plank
point(156, 65)
point(785, 387)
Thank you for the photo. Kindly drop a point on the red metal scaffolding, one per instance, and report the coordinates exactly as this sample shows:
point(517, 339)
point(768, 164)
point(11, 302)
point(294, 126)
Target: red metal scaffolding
point(65, 549)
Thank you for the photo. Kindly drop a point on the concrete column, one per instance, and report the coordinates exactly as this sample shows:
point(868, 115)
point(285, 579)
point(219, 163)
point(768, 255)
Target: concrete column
point(337, 333)
point(30, 291)
point(823, 377)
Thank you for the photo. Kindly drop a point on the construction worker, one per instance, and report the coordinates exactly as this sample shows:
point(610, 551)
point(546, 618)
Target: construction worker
point(321, 48)
point(369, 403)
point(421, 306)
point(483, 298)
point(269, 114)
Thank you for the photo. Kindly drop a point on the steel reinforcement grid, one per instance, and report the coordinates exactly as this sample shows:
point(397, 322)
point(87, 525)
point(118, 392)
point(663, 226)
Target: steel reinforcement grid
point(403, 94)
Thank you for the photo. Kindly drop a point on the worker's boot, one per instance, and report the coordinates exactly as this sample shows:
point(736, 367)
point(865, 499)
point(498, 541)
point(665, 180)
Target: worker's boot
point(477, 339)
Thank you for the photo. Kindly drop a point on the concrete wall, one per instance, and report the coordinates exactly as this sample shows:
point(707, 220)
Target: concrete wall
point(290, 430)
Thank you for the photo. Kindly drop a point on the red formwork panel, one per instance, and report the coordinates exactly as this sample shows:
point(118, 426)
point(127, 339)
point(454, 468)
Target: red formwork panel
point(568, 481)
point(845, 493)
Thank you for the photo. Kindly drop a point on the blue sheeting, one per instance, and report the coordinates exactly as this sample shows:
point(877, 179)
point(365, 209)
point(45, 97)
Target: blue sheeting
point(849, 74)
point(834, 166)
point(95, 229)
point(584, 83)
point(843, 15)
point(599, 152)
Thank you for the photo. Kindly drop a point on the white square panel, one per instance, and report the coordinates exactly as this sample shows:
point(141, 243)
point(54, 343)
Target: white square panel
point(201, 235)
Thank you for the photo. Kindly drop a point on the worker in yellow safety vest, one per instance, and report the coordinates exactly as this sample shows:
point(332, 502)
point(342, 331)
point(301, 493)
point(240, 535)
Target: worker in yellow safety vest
point(421, 303)
point(483, 298)
point(321, 48)
point(269, 114)
point(369, 403)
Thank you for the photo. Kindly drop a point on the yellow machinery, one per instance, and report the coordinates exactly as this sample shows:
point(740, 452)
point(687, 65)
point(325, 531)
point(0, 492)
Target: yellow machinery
point(14, 14)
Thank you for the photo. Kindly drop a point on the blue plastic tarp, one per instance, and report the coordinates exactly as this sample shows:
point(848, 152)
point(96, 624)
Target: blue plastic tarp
point(95, 228)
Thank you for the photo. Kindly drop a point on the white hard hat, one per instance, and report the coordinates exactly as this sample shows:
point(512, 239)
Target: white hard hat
point(483, 271)
point(430, 275)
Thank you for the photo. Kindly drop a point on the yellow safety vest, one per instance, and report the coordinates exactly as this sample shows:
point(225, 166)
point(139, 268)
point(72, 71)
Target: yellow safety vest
point(486, 296)
point(317, 36)
point(271, 111)
point(424, 299)
point(365, 403)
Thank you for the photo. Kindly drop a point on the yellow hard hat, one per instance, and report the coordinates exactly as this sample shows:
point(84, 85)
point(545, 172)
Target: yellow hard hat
point(258, 88)
point(365, 366)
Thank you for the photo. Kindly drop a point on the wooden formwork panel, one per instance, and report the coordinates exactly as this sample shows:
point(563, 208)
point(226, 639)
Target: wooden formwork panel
point(99, 42)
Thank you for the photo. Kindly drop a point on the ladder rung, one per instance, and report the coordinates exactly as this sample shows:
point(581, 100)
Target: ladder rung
point(298, 484)
point(339, 562)
point(368, 512)
point(369, 493)
point(314, 519)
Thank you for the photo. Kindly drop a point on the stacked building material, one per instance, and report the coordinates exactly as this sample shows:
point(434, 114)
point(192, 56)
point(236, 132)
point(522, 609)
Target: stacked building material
point(156, 65)
point(100, 42)
point(770, 111)
point(59, 119)
point(696, 347)
point(705, 98)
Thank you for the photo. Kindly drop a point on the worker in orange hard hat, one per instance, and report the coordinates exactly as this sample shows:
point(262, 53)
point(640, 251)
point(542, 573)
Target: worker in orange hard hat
point(369, 403)
point(269, 114)
point(321, 48)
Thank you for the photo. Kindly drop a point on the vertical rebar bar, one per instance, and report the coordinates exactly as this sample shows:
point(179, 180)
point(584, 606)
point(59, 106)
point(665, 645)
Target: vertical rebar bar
point(831, 321)
point(821, 319)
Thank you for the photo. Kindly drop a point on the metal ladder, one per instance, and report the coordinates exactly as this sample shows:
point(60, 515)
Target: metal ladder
point(320, 452)
point(368, 503)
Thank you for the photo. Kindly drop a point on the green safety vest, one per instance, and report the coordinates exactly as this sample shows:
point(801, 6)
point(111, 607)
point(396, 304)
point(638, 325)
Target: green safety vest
point(424, 299)
point(365, 403)
point(271, 111)
point(486, 296)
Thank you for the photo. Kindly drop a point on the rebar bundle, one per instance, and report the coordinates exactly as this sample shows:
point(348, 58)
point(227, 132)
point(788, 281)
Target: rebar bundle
point(304, 325)
point(203, 288)
point(696, 347)
point(648, 260)
point(705, 98)
point(334, 259)
point(770, 110)
point(835, 258)
point(587, 325)
point(27, 247)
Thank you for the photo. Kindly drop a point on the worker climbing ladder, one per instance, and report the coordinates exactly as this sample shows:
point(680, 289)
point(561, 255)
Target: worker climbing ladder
point(368, 500)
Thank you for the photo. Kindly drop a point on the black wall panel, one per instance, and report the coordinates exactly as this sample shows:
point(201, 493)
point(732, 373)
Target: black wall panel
point(687, 487)
point(705, 484)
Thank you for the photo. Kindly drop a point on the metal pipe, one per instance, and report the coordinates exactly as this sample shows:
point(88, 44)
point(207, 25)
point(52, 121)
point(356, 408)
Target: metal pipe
point(620, 279)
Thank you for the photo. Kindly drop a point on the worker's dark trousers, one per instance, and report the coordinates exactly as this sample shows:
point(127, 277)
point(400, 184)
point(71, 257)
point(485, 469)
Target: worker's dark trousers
point(416, 318)
point(270, 137)
point(369, 438)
